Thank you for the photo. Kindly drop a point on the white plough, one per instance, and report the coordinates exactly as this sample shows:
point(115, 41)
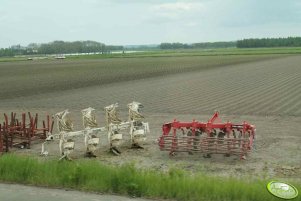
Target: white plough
point(138, 128)
point(92, 133)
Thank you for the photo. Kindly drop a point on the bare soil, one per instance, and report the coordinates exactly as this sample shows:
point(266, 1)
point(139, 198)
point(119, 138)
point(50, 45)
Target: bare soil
point(265, 93)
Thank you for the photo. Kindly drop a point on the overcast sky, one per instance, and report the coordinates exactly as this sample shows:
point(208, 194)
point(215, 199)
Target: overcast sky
point(121, 22)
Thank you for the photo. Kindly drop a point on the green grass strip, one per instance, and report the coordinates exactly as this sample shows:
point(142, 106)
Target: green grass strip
point(91, 175)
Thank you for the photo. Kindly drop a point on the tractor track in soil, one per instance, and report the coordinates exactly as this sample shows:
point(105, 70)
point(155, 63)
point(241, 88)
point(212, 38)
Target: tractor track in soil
point(266, 93)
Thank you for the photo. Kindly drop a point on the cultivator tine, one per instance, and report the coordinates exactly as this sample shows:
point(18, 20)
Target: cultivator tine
point(29, 115)
point(48, 123)
point(23, 121)
point(52, 124)
point(6, 120)
point(32, 124)
point(11, 124)
point(36, 121)
point(44, 130)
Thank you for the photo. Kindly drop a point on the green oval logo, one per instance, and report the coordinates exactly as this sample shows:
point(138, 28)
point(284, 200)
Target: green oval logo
point(282, 190)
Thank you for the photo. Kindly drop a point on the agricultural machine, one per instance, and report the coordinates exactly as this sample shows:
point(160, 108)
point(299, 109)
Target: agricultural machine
point(66, 133)
point(15, 133)
point(212, 137)
point(92, 133)
point(137, 128)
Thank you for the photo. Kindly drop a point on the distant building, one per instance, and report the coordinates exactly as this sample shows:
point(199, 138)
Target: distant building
point(60, 56)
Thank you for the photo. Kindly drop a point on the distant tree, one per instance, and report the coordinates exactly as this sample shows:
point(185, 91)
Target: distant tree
point(269, 42)
point(174, 46)
point(5, 52)
point(206, 45)
point(209, 45)
point(61, 47)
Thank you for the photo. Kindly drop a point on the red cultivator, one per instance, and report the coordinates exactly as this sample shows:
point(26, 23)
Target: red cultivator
point(21, 133)
point(208, 138)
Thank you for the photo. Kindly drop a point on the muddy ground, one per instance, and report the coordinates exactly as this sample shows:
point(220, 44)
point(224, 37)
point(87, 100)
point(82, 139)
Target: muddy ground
point(264, 93)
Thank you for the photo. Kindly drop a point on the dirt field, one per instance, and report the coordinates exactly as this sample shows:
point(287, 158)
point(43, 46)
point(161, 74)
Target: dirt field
point(265, 91)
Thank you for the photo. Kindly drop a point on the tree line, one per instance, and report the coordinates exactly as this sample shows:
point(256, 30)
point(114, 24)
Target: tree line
point(62, 47)
point(59, 47)
point(207, 45)
point(245, 43)
point(269, 42)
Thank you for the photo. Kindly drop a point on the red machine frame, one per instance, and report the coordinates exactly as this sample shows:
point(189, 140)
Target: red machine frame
point(13, 132)
point(232, 139)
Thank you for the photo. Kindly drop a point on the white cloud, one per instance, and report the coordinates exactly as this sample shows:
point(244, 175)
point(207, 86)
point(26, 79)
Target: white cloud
point(191, 24)
point(176, 9)
point(178, 6)
point(3, 18)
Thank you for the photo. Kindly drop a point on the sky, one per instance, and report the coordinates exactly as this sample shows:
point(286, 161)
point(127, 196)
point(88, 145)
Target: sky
point(134, 22)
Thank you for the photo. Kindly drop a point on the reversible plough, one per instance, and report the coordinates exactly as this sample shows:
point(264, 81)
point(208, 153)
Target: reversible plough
point(15, 133)
point(114, 128)
point(208, 138)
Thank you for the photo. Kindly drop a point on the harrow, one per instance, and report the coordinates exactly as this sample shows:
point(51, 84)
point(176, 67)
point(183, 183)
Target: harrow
point(213, 137)
point(21, 133)
point(115, 128)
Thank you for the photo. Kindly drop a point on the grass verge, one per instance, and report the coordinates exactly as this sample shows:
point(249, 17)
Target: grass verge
point(127, 180)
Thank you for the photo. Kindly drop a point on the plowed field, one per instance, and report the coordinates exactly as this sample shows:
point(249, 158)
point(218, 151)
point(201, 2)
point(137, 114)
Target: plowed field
point(263, 90)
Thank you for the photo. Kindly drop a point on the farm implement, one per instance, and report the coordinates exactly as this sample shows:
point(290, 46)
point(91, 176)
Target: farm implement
point(15, 133)
point(212, 137)
point(115, 128)
point(137, 128)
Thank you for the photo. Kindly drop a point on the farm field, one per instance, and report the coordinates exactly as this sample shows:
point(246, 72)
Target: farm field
point(264, 90)
point(168, 53)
